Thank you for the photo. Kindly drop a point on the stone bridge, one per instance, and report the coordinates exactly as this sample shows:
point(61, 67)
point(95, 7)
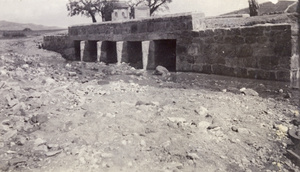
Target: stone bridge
point(184, 43)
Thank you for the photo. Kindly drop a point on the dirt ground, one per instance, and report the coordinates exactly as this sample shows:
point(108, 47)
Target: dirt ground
point(65, 116)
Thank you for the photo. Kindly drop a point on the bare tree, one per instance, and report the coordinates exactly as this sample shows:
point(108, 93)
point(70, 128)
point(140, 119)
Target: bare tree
point(154, 5)
point(89, 8)
point(253, 7)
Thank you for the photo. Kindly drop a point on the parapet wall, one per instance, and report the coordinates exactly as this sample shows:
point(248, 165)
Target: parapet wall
point(262, 52)
point(139, 29)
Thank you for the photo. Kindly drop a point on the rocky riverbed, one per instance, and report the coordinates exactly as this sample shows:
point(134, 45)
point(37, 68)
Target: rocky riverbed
point(57, 115)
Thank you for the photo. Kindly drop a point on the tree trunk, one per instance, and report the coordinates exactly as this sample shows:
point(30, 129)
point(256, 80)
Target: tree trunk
point(93, 18)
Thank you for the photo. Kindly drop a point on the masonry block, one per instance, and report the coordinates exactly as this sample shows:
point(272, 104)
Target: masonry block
point(223, 70)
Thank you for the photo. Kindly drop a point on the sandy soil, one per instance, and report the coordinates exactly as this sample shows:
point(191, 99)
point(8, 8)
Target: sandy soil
point(71, 116)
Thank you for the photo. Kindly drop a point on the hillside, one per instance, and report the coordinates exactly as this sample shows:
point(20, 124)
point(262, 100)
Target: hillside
point(5, 25)
point(270, 8)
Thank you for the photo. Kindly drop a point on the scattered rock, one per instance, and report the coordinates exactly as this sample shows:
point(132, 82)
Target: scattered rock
point(202, 111)
point(53, 153)
point(4, 166)
point(39, 119)
point(143, 143)
point(287, 95)
point(43, 148)
point(52, 146)
point(203, 125)
point(20, 140)
point(282, 128)
point(177, 119)
point(72, 73)
point(106, 155)
point(139, 103)
point(16, 161)
point(234, 128)
point(248, 91)
point(9, 134)
point(48, 81)
point(243, 130)
point(109, 71)
point(39, 142)
point(25, 66)
point(192, 156)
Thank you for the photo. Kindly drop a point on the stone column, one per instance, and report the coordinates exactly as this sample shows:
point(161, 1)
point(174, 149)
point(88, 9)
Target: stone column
point(99, 45)
point(145, 50)
point(119, 51)
point(82, 49)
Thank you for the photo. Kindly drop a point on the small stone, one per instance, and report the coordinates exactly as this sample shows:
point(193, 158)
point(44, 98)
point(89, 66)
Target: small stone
point(203, 125)
point(224, 90)
point(6, 122)
point(82, 160)
point(288, 95)
point(130, 164)
point(143, 143)
point(72, 73)
point(243, 130)
point(68, 65)
point(16, 161)
point(48, 81)
point(248, 91)
point(4, 166)
point(234, 128)
point(39, 142)
point(177, 119)
point(53, 153)
point(192, 156)
point(202, 111)
point(295, 113)
point(25, 66)
point(124, 142)
point(39, 119)
point(41, 148)
point(282, 128)
point(20, 140)
point(280, 91)
point(106, 155)
point(139, 103)
point(9, 134)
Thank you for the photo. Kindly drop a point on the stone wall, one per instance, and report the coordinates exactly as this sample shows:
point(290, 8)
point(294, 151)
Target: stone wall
point(61, 44)
point(262, 52)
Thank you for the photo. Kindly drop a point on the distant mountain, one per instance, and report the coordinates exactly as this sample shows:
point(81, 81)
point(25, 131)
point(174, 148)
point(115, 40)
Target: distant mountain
point(5, 25)
point(270, 8)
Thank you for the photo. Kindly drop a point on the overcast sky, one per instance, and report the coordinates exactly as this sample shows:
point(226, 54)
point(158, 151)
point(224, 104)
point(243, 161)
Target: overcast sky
point(54, 12)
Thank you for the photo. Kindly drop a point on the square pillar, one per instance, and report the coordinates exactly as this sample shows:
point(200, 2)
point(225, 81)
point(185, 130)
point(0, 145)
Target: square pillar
point(99, 50)
point(145, 51)
point(82, 49)
point(119, 51)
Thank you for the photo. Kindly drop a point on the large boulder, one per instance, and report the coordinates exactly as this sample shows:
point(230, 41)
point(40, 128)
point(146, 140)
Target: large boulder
point(160, 70)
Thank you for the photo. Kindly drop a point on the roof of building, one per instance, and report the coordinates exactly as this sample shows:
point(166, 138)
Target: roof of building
point(120, 5)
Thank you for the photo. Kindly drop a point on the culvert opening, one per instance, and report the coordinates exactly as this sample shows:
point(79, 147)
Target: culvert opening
point(92, 51)
point(165, 53)
point(111, 52)
point(77, 50)
point(135, 54)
